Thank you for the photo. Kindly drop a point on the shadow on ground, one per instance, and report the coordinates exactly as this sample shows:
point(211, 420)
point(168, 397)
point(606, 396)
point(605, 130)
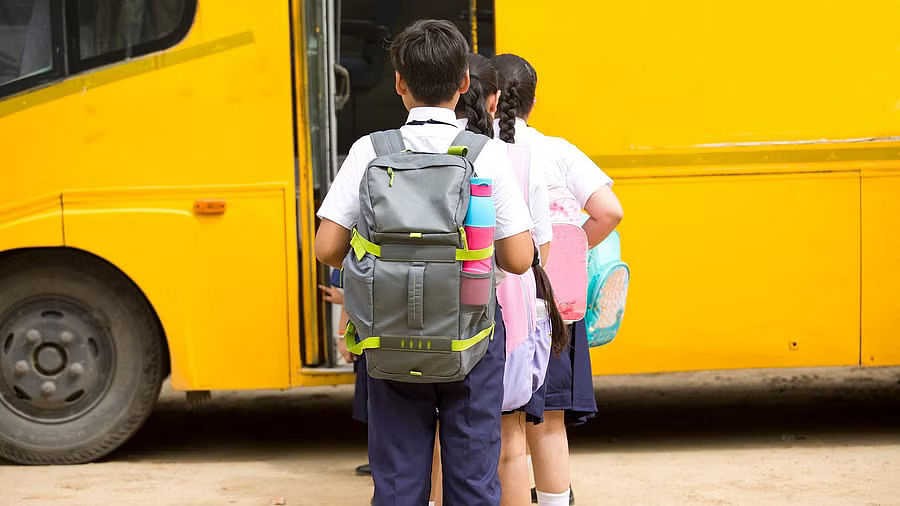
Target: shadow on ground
point(674, 411)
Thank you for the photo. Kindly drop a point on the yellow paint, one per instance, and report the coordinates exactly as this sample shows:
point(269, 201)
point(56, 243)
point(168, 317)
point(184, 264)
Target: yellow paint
point(744, 140)
point(880, 272)
point(634, 77)
point(31, 223)
point(727, 272)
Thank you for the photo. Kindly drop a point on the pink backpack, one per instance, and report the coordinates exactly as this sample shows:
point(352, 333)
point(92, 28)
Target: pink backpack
point(567, 266)
point(517, 293)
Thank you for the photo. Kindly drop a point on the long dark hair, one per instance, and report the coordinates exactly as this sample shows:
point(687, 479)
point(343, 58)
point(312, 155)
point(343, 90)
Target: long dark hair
point(559, 335)
point(518, 82)
point(484, 82)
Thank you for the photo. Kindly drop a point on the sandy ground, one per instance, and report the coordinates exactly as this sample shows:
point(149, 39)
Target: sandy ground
point(798, 436)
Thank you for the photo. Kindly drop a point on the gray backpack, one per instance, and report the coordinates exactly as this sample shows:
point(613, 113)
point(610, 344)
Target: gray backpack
point(402, 273)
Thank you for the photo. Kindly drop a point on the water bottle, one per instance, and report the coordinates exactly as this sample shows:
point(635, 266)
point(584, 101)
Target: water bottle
point(479, 226)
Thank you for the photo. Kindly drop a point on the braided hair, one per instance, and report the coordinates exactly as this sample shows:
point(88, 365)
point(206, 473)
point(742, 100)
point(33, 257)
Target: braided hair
point(483, 83)
point(518, 82)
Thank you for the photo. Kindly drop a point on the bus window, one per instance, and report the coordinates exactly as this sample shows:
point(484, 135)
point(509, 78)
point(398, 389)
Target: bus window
point(105, 31)
point(26, 44)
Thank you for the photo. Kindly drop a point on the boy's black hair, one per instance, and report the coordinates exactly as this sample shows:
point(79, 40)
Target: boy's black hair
point(430, 56)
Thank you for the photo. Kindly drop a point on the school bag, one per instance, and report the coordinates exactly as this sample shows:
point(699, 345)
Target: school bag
point(402, 274)
point(607, 290)
point(567, 265)
point(527, 349)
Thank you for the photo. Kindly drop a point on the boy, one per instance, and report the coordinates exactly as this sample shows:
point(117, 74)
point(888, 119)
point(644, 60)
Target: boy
point(429, 59)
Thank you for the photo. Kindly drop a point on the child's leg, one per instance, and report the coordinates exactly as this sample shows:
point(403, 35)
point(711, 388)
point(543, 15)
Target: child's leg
point(470, 428)
point(513, 468)
point(437, 491)
point(550, 453)
point(401, 438)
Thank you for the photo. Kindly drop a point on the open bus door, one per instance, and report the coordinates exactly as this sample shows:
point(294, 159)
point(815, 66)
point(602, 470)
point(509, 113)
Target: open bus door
point(345, 89)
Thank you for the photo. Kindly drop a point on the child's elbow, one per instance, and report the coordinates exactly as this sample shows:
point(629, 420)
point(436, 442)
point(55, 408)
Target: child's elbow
point(519, 264)
point(615, 214)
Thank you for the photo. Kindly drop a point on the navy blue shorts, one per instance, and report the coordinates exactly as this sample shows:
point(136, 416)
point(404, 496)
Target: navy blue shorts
point(569, 383)
point(360, 390)
point(402, 419)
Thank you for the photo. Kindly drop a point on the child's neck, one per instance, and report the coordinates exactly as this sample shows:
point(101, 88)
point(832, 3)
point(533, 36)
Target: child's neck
point(450, 104)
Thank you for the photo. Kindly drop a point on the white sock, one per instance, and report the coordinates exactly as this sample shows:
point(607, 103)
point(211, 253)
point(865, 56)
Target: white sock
point(430, 503)
point(545, 499)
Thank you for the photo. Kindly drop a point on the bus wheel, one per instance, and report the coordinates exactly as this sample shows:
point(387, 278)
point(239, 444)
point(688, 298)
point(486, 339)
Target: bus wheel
point(81, 358)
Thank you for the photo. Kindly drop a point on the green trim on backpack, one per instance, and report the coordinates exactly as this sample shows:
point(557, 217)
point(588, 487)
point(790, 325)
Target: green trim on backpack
point(374, 342)
point(458, 150)
point(361, 246)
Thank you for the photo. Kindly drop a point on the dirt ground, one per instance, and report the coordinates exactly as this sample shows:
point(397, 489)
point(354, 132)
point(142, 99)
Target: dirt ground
point(797, 436)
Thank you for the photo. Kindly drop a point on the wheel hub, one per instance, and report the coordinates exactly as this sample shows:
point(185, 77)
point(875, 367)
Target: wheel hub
point(56, 359)
point(50, 359)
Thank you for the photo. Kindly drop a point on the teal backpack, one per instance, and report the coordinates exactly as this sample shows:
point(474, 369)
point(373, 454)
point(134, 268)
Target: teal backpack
point(607, 289)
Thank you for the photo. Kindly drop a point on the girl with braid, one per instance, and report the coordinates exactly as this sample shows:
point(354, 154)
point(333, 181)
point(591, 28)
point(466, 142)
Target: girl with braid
point(532, 320)
point(570, 176)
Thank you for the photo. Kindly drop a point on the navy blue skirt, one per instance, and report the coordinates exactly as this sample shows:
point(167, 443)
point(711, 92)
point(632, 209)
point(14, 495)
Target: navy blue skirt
point(534, 409)
point(361, 390)
point(569, 383)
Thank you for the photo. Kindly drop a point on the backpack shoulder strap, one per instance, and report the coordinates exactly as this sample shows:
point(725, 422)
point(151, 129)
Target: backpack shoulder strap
point(475, 142)
point(387, 142)
point(520, 159)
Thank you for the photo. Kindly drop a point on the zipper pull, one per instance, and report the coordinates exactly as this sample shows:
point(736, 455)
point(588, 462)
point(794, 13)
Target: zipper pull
point(390, 172)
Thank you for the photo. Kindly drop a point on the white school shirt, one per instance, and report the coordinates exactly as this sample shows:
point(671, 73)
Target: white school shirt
point(538, 197)
point(567, 169)
point(341, 205)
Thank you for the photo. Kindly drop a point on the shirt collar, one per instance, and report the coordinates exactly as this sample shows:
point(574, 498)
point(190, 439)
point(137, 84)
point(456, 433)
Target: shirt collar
point(435, 113)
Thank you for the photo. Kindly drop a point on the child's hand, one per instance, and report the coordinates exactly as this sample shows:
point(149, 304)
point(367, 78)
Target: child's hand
point(342, 349)
point(332, 294)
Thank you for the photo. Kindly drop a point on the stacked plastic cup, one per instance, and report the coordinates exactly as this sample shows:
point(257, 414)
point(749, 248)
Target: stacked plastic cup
point(479, 226)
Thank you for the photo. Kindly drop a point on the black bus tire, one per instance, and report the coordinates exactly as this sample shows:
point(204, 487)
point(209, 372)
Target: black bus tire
point(59, 308)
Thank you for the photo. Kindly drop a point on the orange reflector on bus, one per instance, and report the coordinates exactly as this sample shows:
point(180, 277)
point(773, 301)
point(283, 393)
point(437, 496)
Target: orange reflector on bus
point(209, 206)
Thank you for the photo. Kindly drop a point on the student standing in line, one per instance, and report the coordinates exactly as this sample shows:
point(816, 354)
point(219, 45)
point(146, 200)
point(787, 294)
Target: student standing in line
point(429, 58)
point(335, 295)
point(530, 313)
point(568, 387)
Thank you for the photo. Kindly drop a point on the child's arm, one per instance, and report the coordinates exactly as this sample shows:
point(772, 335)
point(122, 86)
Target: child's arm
point(332, 243)
point(592, 188)
point(605, 212)
point(514, 253)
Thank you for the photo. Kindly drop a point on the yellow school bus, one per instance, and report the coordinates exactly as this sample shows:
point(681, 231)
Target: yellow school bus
point(162, 161)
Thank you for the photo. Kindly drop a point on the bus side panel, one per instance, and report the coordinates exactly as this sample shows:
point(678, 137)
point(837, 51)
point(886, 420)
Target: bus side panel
point(627, 77)
point(738, 271)
point(217, 282)
point(33, 223)
point(880, 276)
